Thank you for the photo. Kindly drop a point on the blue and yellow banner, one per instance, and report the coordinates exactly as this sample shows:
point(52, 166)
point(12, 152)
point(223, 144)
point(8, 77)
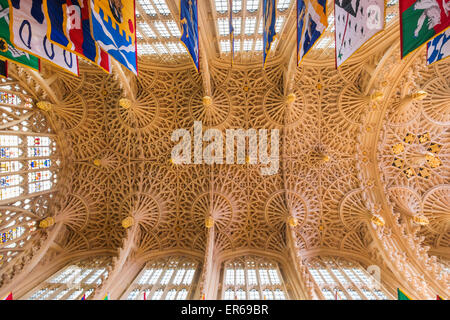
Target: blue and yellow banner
point(301, 10)
point(189, 26)
point(439, 48)
point(231, 29)
point(269, 34)
point(114, 29)
point(314, 16)
point(69, 27)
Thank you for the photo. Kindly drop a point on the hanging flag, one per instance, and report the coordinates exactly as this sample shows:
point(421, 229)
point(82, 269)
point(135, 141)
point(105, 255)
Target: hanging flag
point(420, 21)
point(401, 295)
point(269, 34)
point(438, 297)
point(231, 30)
point(301, 9)
point(68, 25)
point(439, 48)
point(314, 16)
point(83, 297)
point(106, 297)
point(189, 25)
point(7, 49)
point(28, 28)
point(355, 23)
point(3, 69)
point(114, 29)
point(9, 297)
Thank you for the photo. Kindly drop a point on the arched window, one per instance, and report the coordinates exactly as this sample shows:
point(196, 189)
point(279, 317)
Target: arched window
point(170, 278)
point(16, 228)
point(28, 170)
point(26, 149)
point(338, 279)
point(252, 278)
point(73, 281)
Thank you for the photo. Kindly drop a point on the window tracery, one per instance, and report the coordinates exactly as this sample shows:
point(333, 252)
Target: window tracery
point(338, 279)
point(252, 278)
point(26, 157)
point(170, 278)
point(16, 228)
point(73, 281)
point(28, 170)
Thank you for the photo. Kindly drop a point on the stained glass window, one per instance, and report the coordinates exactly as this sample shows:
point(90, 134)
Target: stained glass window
point(283, 4)
point(182, 294)
point(221, 5)
point(253, 295)
point(21, 151)
point(72, 282)
point(165, 279)
point(252, 278)
point(28, 170)
point(148, 7)
point(252, 5)
point(338, 279)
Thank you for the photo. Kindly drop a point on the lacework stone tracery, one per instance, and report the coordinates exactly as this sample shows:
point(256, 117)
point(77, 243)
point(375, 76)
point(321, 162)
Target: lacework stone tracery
point(170, 278)
point(252, 278)
point(73, 281)
point(28, 171)
point(418, 144)
point(117, 164)
point(339, 279)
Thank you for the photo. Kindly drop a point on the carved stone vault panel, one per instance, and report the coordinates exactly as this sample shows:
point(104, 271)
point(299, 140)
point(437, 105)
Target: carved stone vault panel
point(414, 154)
point(121, 159)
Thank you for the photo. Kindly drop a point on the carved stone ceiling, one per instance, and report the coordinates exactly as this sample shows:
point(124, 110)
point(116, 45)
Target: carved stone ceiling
point(119, 159)
point(136, 176)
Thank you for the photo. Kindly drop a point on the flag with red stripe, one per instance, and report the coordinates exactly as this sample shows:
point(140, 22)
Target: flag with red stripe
point(420, 21)
point(9, 297)
point(69, 27)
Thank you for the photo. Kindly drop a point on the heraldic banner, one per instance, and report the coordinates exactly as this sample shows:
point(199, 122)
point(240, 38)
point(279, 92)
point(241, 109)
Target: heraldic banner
point(28, 28)
point(114, 29)
point(311, 24)
point(420, 21)
point(356, 22)
point(69, 27)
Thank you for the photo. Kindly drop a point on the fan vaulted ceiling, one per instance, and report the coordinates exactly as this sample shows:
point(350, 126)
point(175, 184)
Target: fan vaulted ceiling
point(340, 137)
